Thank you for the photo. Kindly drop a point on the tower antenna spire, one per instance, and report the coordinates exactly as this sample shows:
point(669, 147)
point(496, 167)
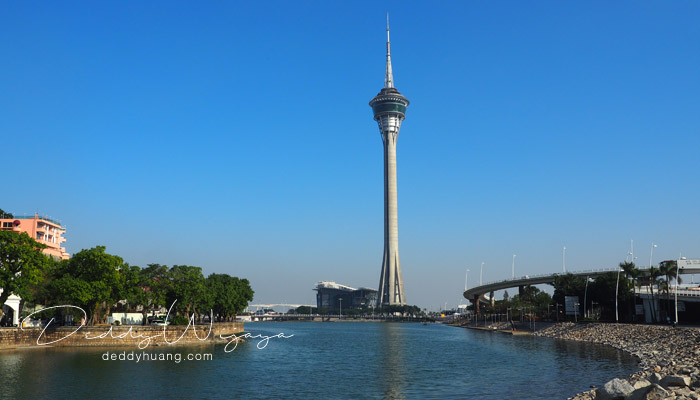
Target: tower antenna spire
point(389, 77)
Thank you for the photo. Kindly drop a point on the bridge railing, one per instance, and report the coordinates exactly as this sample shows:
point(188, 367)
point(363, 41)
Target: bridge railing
point(681, 292)
point(525, 277)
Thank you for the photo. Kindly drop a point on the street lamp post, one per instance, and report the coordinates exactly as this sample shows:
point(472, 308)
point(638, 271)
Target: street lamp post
point(651, 254)
point(563, 262)
point(481, 274)
point(631, 252)
point(676, 291)
point(585, 294)
point(617, 287)
point(513, 273)
point(632, 249)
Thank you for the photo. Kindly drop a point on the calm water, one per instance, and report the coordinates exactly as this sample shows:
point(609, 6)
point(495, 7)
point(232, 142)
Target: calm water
point(326, 360)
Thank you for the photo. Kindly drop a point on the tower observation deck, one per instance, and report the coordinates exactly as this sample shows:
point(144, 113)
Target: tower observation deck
point(389, 108)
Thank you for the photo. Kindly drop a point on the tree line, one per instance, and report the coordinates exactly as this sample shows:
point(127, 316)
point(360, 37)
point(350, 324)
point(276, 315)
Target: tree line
point(602, 290)
point(101, 283)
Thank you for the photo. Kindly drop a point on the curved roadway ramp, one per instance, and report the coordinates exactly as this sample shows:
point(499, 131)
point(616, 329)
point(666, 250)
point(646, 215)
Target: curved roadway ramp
point(480, 291)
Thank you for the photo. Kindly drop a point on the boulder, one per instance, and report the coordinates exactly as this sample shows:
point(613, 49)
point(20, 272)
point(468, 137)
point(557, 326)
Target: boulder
point(641, 387)
point(675, 380)
point(642, 383)
point(657, 393)
point(615, 389)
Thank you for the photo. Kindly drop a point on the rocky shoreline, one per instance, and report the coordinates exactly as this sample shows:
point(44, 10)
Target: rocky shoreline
point(669, 359)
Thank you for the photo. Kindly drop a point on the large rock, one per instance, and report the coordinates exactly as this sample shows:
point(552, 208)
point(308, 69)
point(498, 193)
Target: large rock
point(642, 383)
point(615, 389)
point(641, 387)
point(675, 380)
point(657, 393)
point(656, 378)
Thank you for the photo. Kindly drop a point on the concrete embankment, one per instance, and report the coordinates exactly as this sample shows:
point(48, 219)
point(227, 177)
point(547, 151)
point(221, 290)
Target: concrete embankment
point(126, 335)
point(669, 359)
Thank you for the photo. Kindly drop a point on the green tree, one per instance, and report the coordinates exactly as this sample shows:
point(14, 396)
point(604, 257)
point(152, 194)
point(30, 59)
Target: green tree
point(21, 264)
point(245, 295)
point(569, 285)
point(40, 291)
point(222, 291)
point(156, 284)
point(602, 291)
point(92, 280)
point(188, 288)
point(629, 270)
point(529, 293)
point(227, 296)
point(5, 215)
point(651, 279)
point(131, 289)
point(541, 300)
point(631, 273)
point(306, 310)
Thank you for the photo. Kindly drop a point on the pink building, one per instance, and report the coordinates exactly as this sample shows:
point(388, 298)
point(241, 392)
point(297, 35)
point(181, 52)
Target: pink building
point(41, 229)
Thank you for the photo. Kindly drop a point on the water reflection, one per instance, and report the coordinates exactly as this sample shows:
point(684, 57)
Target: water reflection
point(55, 373)
point(391, 361)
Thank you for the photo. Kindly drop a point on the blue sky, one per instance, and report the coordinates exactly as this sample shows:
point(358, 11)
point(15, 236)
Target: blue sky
point(237, 137)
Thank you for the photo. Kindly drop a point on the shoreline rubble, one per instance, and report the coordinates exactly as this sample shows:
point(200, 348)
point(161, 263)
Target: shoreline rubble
point(669, 359)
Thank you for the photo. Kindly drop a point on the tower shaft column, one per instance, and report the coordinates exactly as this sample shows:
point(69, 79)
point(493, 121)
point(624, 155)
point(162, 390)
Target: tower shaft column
point(391, 281)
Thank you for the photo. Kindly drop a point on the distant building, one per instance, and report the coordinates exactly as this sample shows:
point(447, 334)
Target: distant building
point(42, 229)
point(329, 295)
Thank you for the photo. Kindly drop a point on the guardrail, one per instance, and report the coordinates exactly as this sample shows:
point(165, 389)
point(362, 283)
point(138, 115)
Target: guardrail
point(592, 271)
point(44, 217)
point(681, 292)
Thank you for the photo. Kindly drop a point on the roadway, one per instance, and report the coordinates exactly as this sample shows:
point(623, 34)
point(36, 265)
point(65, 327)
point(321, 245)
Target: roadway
point(547, 278)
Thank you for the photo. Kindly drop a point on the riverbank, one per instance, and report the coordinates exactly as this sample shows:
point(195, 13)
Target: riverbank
point(669, 359)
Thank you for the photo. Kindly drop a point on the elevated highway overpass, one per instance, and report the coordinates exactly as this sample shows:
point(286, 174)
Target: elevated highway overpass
point(478, 292)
